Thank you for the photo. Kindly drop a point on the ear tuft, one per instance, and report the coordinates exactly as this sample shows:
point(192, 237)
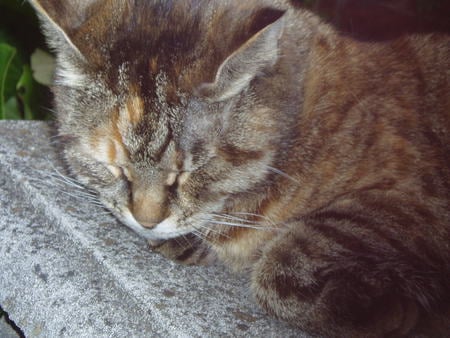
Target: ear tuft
point(258, 53)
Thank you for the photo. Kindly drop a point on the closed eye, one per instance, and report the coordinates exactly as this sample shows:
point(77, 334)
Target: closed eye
point(176, 178)
point(172, 178)
point(116, 171)
point(173, 188)
point(119, 172)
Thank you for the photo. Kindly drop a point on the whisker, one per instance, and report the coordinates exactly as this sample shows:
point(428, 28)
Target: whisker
point(240, 225)
point(37, 180)
point(88, 195)
point(58, 136)
point(80, 193)
point(68, 180)
point(199, 235)
point(90, 200)
point(64, 177)
point(214, 231)
point(234, 218)
point(101, 214)
point(255, 215)
point(183, 241)
point(81, 190)
point(282, 173)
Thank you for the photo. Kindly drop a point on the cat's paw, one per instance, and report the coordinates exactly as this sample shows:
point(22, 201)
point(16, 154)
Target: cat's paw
point(188, 250)
point(299, 279)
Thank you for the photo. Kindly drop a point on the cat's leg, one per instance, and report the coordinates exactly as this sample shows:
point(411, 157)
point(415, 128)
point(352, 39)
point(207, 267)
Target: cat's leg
point(321, 277)
point(188, 250)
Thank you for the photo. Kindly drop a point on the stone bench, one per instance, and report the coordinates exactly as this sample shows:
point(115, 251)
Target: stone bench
point(67, 268)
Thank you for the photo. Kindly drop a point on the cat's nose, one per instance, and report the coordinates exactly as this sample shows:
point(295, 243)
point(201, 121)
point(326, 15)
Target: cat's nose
point(147, 210)
point(147, 224)
point(149, 220)
point(150, 216)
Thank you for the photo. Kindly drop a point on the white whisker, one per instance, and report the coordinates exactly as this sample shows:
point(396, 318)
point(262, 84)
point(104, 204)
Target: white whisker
point(83, 192)
point(282, 173)
point(59, 187)
point(185, 243)
point(90, 200)
point(268, 219)
point(240, 225)
point(214, 231)
point(68, 180)
point(80, 194)
point(101, 214)
point(199, 235)
point(234, 218)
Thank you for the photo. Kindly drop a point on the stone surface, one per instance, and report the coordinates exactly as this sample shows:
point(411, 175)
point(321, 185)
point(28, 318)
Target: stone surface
point(67, 268)
point(6, 331)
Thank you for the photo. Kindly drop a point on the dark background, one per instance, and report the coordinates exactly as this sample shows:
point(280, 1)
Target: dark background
point(383, 19)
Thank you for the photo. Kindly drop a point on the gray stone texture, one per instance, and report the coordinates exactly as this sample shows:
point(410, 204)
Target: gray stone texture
point(69, 269)
point(6, 331)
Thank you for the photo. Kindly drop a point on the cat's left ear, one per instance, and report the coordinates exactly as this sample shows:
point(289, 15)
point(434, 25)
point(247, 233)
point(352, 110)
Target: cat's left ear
point(258, 53)
point(76, 28)
point(60, 20)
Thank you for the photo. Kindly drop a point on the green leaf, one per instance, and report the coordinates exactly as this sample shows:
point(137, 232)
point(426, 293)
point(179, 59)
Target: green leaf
point(12, 111)
point(7, 84)
point(26, 93)
point(21, 96)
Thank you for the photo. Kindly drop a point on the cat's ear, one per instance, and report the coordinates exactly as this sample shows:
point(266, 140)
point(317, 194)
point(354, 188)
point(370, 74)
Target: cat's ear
point(259, 52)
point(61, 19)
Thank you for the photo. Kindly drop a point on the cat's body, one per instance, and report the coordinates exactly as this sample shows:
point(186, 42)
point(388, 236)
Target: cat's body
point(317, 163)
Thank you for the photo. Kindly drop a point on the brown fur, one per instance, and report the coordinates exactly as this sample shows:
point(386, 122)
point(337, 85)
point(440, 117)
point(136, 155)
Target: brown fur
point(318, 163)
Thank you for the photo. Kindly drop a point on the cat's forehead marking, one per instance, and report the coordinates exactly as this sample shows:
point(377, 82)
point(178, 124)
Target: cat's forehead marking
point(132, 112)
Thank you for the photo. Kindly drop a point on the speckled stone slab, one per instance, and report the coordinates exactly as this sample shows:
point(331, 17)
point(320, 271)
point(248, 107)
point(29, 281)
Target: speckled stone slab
point(69, 269)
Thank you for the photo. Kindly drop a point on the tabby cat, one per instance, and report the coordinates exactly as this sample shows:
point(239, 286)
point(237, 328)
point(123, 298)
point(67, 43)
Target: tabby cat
point(317, 163)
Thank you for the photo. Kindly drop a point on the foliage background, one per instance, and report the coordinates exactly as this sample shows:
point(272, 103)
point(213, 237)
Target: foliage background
point(26, 67)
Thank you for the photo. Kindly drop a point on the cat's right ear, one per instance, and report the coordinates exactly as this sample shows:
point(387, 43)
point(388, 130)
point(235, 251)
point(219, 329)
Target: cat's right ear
point(60, 20)
point(258, 53)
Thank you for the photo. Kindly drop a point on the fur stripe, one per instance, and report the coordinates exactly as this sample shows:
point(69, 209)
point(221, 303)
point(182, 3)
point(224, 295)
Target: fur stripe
point(134, 110)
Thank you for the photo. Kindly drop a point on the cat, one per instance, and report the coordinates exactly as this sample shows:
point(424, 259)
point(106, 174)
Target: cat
point(314, 162)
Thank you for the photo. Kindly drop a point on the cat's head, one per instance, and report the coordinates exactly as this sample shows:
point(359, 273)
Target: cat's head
point(163, 104)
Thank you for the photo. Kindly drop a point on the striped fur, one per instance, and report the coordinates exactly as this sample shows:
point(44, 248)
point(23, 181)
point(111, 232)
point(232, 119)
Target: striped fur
point(252, 132)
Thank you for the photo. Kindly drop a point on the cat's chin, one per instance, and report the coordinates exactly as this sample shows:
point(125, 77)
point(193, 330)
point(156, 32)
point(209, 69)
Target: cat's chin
point(169, 228)
point(164, 230)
